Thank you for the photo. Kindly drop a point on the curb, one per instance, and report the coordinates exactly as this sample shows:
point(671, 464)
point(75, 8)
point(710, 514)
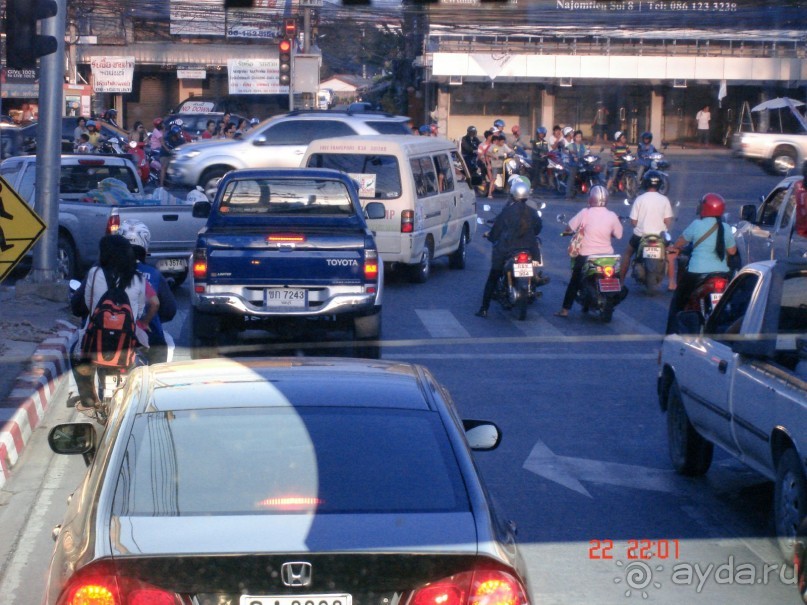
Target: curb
point(31, 395)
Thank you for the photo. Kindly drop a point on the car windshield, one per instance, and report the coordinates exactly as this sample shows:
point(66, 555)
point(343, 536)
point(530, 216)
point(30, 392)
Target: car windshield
point(378, 176)
point(287, 197)
point(288, 460)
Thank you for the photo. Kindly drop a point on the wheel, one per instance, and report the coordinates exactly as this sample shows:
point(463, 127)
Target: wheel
point(204, 338)
point(66, 266)
point(690, 454)
point(783, 160)
point(789, 501)
point(652, 278)
point(521, 304)
point(607, 313)
point(458, 257)
point(178, 280)
point(422, 271)
point(210, 179)
point(367, 336)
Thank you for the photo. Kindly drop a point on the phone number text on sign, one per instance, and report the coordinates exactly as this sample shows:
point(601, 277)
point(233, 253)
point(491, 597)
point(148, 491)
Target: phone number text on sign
point(634, 549)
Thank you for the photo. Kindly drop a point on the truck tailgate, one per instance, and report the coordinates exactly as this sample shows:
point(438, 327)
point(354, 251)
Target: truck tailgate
point(173, 228)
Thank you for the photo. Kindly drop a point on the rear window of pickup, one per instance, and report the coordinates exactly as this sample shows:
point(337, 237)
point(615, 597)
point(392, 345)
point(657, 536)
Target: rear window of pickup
point(286, 197)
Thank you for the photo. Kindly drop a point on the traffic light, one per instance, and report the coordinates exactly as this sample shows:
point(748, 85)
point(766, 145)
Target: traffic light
point(290, 29)
point(23, 45)
point(284, 51)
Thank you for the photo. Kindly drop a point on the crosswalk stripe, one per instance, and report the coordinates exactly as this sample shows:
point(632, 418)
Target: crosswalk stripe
point(537, 325)
point(441, 323)
point(620, 319)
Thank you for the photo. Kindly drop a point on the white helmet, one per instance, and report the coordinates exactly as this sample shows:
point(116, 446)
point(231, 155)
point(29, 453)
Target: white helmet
point(598, 196)
point(520, 191)
point(567, 131)
point(137, 233)
point(618, 134)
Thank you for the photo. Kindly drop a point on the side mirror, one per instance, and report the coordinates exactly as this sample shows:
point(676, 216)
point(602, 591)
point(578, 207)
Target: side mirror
point(73, 438)
point(202, 209)
point(259, 140)
point(375, 210)
point(482, 435)
point(748, 212)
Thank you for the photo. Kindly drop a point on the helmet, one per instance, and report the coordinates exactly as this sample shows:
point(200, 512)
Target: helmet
point(136, 232)
point(157, 122)
point(648, 136)
point(567, 131)
point(112, 112)
point(540, 130)
point(175, 129)
point(178, 122)
point(619, 134)
point(499, 124)
point(471, 130)
point(598, 196)
point(84, 148)
point(712, 204)
point(425, 129)
point(519, 190)
point(515, 129)
point(91, 123)
point(651, 179)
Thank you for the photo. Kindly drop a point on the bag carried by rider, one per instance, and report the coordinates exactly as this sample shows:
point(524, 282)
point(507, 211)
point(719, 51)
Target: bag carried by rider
point(577, 241)
point(110, 338)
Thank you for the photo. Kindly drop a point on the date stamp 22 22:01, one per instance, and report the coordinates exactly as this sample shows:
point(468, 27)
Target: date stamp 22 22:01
point(634, 550)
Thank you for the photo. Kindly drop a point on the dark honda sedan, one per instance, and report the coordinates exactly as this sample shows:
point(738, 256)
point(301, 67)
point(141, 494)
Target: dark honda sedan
point(283, 482)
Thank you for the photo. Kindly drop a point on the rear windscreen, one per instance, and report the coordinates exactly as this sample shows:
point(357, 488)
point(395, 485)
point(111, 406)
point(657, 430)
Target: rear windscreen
point(378, 176)
point(286, 197)
point(288, 460)
point(78, 178)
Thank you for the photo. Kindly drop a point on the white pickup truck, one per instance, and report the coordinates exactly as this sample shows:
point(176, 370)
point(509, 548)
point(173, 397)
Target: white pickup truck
point(775, 137)
point(83, 220)
point(740, 381)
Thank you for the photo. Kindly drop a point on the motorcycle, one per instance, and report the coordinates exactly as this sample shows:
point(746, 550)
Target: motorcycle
point(649, 264)
point(588, 172)
point(626, 180)
point(556, 171)
point(138, 153)
point(110, 146)
point(660, 164)
point(153, 157)
point(516, 165)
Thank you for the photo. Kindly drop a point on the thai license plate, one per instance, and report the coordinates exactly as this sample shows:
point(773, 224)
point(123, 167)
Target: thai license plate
point(313, 599)
point(715, 297)
point(286, 298)
point(652, 252)
point(522, 270)
point(172, 264)
point(609, 284)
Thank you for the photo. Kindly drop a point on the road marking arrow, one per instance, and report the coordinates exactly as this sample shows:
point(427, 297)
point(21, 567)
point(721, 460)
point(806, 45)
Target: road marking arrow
point(569, 472)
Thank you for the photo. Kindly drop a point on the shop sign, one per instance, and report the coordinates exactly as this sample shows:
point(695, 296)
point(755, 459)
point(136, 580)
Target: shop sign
point(254, 77)
point(112, 74)
point(191, 73)
point(20, 76)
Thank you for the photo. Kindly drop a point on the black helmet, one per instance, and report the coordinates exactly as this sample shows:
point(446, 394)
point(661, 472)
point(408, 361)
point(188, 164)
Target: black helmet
point(471, 130)
point(647, 135)
point(651, 180)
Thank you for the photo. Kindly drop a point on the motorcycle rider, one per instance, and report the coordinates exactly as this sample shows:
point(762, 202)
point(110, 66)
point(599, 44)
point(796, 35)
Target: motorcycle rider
point(643, 151)
point(496, 154)
point(618, 152)
point(139, 236)
point(111, 116)
point(540, 149)
point(575, 150)
point(599, 225)
point(170, 141)
point(516, 228)
point(96, 138)
point(468, 147)
point(713, 243)
point(650, 214)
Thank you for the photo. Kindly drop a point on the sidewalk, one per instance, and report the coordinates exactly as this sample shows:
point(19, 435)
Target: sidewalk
point(33, 343)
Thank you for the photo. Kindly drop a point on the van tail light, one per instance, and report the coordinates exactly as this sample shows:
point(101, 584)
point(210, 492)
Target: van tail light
point(99, 584)
point(370, 265)
point(113, 224)
point(479, 587)
point(408, 221)
point(199, 268)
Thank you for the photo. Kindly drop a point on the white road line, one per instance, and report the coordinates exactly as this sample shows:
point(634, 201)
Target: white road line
point(441, 323)
point(631, 325)
point(537, 325)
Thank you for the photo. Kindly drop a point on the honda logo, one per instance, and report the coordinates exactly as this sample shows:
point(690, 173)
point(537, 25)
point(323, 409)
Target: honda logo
point(296, 573)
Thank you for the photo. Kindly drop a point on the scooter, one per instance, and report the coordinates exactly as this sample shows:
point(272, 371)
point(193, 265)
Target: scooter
point(660, 164)
point(626, 180)
point(138, 153)
point(649, 264)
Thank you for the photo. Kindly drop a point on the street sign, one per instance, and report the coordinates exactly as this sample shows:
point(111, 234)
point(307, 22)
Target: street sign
point(20, 227)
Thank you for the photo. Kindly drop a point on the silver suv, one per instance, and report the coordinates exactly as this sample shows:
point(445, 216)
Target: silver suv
point(278, 142)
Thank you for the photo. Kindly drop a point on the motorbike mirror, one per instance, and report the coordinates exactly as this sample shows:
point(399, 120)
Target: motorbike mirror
point(74, 285)
point(561, 218)
point(480, 220)
point(486, 207)
point(542, 206)
point(133, 144)
point(626, 202)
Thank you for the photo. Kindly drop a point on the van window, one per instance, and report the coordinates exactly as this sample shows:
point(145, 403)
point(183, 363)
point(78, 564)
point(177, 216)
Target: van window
point(425, 176)
point(445, 175)
point(459, 167)
point(384, 167)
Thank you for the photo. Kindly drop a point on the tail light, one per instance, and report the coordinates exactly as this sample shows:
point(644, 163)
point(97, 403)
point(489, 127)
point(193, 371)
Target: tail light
point(480, 587)
point(199, 269)
point(370, 265)
point(113, 224)
point(285, 238)
point(523, 257)
point(718, 284)
point(609, 271)
point(99, 585)
point(407, 221)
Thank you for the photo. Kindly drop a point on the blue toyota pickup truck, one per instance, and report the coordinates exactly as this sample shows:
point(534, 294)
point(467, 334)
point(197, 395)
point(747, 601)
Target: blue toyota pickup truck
point(287, 251)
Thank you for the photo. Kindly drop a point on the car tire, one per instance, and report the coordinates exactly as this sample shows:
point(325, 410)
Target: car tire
point(66, 264)
point(367, 336)
point(210, 178)
point(783, 160)
point(690, 454)
point(422, 271)
point(458, 258)
point(789, 501)
point(204, 337)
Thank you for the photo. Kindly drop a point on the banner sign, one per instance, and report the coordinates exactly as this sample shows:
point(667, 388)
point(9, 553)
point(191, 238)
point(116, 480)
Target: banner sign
point(210, 18)
point(112, 74)
point(20, 76)
point(255, 77)
point(191, 73)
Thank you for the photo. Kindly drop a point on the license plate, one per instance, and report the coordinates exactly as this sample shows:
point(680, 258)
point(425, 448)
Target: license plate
point(715, 297)
point(172, 264)
point(609, 284)
point(286, 298)
point(312, 599)
point(522, 270)
point(652, 252)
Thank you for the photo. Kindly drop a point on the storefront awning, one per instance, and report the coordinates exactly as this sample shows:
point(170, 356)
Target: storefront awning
point(171, 54)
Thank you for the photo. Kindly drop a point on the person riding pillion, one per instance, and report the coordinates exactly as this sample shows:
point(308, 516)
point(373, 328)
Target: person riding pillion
point(514, 229)
point(540, 150)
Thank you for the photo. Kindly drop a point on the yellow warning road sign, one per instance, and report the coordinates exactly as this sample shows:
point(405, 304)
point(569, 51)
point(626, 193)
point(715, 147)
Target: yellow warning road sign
point(20, 227)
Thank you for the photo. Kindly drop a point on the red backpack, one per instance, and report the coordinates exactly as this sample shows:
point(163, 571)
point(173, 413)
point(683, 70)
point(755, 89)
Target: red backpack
point(110, 338)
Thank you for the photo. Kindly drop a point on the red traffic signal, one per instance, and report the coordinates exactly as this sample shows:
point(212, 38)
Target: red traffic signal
point(290, 28)
point(284, 67)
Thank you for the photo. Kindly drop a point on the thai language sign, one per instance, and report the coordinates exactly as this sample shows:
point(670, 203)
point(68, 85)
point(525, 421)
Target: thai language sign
point(112, 74)
point(210, 18)
point(254, 77)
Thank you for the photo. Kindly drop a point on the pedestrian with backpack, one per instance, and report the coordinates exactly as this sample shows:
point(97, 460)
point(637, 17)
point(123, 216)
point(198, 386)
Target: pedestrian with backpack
point(119, 305)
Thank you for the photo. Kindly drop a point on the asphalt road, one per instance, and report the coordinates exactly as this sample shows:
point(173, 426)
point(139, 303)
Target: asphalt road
point(583, 467)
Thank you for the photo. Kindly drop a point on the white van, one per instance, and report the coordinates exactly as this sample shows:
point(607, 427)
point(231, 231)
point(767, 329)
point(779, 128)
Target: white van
point(425, 187)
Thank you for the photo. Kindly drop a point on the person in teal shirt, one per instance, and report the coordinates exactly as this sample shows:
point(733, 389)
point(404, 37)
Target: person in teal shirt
point(713, 244)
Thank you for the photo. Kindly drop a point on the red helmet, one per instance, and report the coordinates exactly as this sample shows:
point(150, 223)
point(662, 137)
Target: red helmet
point(712, 204)
point(157, 122)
